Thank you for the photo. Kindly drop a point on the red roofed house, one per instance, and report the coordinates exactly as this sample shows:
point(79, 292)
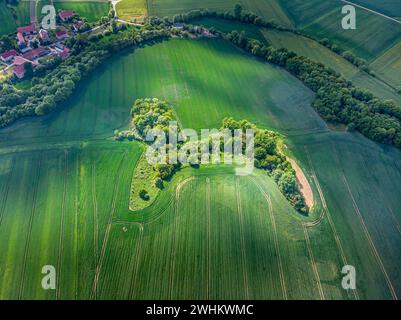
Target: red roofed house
point(35, 53)
point(18, 61)
point(66, 15)
point(61, 35)
point(8, 56)
point(21, 40)
point(44, 36)
point(27, 30)
point(19, 71)
point(65, 53)
point(77, 26)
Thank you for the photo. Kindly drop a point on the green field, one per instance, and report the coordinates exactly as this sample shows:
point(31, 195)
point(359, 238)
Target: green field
point(391, 8)
point(132, 9)
point(388, 65)
point(8, 23)
point(65, 190)
point(269, 9)
point(92, 10)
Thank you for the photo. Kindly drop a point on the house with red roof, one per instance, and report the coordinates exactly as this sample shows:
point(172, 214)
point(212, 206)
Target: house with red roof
point(44, 36)
point(64, 54)
point(18, 61)
point(8, 56)
point(35, 53)
point(19, 71)
point(66, 15)
point(61, 35)
point(21, 40)
point(27, 30)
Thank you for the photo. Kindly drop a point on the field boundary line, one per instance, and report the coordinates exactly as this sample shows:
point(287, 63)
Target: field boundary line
point(397, 224)
point(95, 214)
point(241, 227)
point(61, 237)
point(370, 240)
point(372, 11)
point(329, 219)
point(30, 223)
point(6, 192)
point(276, 242)
point(107, 232)
point(208, 208)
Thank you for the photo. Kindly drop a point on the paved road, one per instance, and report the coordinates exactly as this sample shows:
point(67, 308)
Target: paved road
point(370, 10)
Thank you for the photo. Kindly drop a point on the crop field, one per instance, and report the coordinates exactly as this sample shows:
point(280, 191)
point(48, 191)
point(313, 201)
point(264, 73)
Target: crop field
point(269, 9)
point(391, 8)
point(92, 10)
point(132, 9)
point(322, 19)
point(65, 191)
point(7, 24)
point(388, 65)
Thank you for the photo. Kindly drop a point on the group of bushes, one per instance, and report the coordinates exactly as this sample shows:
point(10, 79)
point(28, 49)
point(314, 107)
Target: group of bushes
point(269, 157)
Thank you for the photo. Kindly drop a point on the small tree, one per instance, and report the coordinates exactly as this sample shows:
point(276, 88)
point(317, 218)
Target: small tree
point(143, 194)
point(238, 10)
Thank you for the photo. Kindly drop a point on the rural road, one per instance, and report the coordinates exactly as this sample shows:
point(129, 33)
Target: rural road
point(32, 11)
point(372, 11)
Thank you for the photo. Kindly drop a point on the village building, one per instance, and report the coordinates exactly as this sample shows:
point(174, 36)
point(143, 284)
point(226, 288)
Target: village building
point(78, 25)
point(20, 40)
point(27, 30)
point(178, 26)
point(44, 36)
point(19, 61)
point(66, 15)
point(36, 53)
point(64, 54)
point(8, 56)
point(61, 35)
point(19, 71)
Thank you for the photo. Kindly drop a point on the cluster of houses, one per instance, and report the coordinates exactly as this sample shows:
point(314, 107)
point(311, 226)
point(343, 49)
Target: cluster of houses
point(34, 43)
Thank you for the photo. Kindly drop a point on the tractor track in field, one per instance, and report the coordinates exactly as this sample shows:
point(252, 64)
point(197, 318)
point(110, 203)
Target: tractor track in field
point(7, 191)
point(370, 240)
point(397, 224)
point(30, 223)
point(61, 237)
point(95, 214)
point(173, 241)
point(313, 263)
point(138, 254)
point(241, 226)
point(209, 262)
point(107, 232)
point(276, 243)
point(76, 226)
point(366, 230)
point(329, 219)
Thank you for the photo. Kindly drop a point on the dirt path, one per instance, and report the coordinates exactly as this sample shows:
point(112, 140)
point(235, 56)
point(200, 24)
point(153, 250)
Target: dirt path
point(303, 182)
point(372, 11)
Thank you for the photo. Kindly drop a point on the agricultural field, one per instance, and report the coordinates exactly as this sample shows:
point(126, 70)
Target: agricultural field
point(130, 10)
point(269, 9)
point(66, 186)
point(92, 10)
point(391, 8)
point(7, 24)
point(388, 65)
point(13, 16)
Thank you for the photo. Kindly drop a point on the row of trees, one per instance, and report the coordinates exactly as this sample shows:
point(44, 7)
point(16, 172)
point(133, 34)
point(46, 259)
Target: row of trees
point(241, 15)
point(337, 100)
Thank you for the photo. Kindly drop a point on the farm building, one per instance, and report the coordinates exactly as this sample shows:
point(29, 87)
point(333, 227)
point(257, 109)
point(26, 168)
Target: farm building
point(20, 40)
point(8, 56)
point(66, 15)
point(61, 35)
point(44, 36)
point(27, 30)
point(35, 53)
